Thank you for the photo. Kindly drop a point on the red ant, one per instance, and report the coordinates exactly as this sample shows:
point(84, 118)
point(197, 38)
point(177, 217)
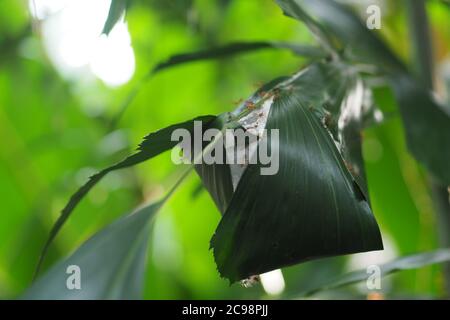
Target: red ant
point(350, 168)
point(258, 84)
point(327, 120)
point(250, 105)
point(262, 94)
point(238, 102)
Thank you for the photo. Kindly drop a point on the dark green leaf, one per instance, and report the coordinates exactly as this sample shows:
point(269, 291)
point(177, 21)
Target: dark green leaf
point(311, 208)
point(427, 126)
point(153, 144)
point(237, 48)
point(337, 95)
point(405, 263)
point(116, 11)
point(112, 263)
point(347, 27)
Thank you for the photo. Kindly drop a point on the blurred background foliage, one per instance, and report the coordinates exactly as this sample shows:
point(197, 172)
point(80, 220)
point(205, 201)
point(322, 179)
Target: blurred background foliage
point(56, 108)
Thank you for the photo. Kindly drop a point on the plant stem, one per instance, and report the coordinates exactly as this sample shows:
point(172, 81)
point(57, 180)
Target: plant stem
point(422, 53)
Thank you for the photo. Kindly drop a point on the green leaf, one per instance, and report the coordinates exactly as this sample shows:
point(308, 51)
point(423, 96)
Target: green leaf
point(311, 208)
point(111, 263)
point(153, 144)
point(405, 263)
point(237, 48)
point(427, 126)
point(366, 46)
point(116, 12)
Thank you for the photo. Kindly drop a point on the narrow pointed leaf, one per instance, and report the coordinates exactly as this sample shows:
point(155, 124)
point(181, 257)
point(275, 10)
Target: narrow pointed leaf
point(111, 263)
point(116, 12)
point(230, 49)
point(154, 144)
point(404, 263)
point(237, 48)
point(311, 208)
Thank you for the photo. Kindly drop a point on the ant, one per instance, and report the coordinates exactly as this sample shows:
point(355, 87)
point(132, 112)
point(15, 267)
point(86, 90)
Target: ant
point(263, 94)
point(250, 281)
point(276, 93)
point(238, 102)
point(250, 105)
point(327, 120)
point(350, 168)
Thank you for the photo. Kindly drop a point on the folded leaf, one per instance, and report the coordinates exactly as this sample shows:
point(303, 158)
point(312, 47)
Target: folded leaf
point(311, 208)
point(216, 178)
